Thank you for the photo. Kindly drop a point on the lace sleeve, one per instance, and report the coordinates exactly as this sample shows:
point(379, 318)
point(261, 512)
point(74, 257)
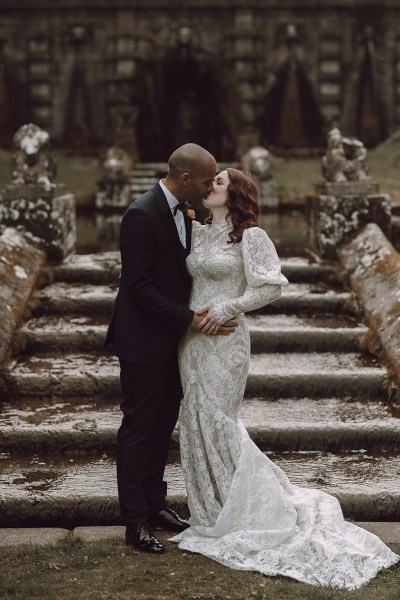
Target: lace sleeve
point(263, 276)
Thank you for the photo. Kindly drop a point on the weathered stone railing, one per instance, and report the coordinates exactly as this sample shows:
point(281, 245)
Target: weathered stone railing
point(372, 266)
point(21, 263)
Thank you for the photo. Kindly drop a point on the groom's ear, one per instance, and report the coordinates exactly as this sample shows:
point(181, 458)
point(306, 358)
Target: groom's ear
point(185, 178)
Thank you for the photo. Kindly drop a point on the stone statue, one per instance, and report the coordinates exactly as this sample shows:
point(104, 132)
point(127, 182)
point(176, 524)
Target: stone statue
point(334, 161)
point(347, 200)
point(258, 162)
point(345, 159)
point(114, 188)
point(356, 154)
point(32, 160)
point(117, 165)
point(32, 202)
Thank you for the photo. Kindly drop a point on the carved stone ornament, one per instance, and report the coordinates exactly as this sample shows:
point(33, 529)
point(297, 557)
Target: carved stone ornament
point(32, 160)
point(345, 159)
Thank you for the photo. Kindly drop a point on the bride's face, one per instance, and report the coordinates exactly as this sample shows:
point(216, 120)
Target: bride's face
point(219, 194)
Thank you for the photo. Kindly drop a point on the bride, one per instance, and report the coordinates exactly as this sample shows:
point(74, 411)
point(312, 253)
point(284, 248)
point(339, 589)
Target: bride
point(245, 513)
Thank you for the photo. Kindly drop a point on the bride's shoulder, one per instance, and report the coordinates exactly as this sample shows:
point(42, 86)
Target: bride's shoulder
point(254, 233)
point(256, 239)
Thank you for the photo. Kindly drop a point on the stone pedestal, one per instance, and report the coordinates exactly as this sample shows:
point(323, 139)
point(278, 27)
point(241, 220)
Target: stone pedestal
point(338, 210)
point(268, 193)
point(113, 194)
point(108, 227)
point(46, 213)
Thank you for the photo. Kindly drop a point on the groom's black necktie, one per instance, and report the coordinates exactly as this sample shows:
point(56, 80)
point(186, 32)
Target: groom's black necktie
point(181, 206)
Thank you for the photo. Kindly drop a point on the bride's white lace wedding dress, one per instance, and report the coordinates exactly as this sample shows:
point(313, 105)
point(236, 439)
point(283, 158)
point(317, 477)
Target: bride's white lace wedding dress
point(245, 513)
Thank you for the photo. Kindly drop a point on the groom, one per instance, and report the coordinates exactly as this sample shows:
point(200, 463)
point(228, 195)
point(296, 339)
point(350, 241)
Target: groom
point(150, 315)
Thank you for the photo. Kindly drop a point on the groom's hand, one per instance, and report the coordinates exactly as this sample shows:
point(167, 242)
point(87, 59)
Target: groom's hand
point(227, 328)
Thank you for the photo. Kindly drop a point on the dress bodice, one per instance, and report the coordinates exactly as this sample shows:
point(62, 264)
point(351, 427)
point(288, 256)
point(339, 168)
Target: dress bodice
point(233, 278)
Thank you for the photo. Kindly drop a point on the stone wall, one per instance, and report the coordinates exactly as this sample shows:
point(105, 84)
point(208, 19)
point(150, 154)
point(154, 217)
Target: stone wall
point(149, 74)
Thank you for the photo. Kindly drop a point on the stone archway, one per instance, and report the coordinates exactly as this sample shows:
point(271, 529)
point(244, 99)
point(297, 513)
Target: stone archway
point(186, 99)
point(291, 118)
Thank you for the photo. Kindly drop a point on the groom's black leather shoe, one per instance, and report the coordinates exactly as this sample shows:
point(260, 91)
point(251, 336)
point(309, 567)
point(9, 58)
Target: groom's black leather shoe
point(168, 519)
point(140, 537)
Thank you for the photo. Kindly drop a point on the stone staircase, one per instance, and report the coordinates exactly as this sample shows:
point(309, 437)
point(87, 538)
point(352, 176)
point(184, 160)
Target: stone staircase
point(315, 403)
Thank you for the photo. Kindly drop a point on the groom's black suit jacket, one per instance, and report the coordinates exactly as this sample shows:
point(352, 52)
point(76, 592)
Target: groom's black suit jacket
point(150, 311)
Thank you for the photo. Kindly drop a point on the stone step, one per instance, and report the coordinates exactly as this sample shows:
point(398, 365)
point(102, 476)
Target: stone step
point(65, 334)
point(290, 333)
point(79, 299)
point(330, 424)
point(85, 299)
point(272, 375)
point(88, 435)
point(75, 489)
point(98, 268)
point(104, 413)
point(298, 269)
point(269, 333)
point(104, 268)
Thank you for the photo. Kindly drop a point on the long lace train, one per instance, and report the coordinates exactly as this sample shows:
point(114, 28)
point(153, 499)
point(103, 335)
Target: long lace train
point(245, 513)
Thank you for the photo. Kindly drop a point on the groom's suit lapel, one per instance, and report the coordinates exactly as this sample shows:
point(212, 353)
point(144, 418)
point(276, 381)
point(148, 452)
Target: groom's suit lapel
point(169, 224)
point(189, 226)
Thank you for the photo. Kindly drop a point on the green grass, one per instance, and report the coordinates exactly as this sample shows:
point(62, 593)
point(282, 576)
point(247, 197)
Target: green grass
point(77, 570)
point(294, 175)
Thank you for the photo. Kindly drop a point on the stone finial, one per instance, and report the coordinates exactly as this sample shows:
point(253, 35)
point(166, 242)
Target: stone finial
point(345, 159)
point(117, 165)
point(257, 161)
point(32, 160)
point(114, 188)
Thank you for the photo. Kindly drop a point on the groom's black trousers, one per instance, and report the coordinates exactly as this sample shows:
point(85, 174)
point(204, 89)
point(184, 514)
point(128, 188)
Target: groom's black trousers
point(150, 406)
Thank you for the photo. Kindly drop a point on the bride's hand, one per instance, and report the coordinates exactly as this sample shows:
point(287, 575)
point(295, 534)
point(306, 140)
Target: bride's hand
point(209, 324)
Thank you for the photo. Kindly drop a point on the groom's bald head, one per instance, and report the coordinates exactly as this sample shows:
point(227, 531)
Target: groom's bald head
point(191, 172)
point(190, 158)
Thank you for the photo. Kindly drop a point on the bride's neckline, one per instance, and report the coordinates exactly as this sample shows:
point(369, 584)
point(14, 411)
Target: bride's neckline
point(217, 226)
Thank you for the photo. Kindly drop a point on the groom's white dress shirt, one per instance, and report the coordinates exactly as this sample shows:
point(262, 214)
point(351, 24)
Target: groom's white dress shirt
point(178, 218)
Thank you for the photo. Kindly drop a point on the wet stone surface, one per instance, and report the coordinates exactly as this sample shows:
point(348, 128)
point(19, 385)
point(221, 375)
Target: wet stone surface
point(101, 414)
point(295, 373)
point(365, 483)
point(313, 399)
point(300, 362)
point(305, 322)
point(311, 410)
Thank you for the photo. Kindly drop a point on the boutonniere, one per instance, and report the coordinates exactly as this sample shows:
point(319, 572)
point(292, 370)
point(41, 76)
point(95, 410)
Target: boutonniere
point(188, 210)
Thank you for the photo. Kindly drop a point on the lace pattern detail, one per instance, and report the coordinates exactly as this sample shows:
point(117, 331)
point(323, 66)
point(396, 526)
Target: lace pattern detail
point(245, 513)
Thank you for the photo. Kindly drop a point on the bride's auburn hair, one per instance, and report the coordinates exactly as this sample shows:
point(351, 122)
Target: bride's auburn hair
point(242, 204)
